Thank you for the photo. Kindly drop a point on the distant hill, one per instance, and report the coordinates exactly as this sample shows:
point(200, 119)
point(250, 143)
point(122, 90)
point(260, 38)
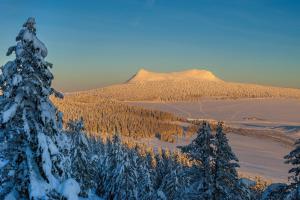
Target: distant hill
point(190, 85)
point(202, 75)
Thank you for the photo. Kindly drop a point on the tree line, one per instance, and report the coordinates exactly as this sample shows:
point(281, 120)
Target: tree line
point(204, 169)
point(103, 116)
point(189, 90)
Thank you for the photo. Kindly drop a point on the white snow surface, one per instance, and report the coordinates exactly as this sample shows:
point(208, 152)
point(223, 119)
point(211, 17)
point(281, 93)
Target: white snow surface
point(19, 50)
point(272, 114)
point(247, 182)
point(11, 196)
point(37, 187)
point(70, 189)
point(257, 155)
point(52, 147)
point(25, 123)
point(48, 114)
point(9, 113)
point(16, 79)
point(46, 160)
point(275, 187)
point(161, 195)
point(3, 162)
point(37, 44)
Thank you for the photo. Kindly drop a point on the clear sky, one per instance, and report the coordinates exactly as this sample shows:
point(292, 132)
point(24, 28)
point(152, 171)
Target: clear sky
point(93, 43)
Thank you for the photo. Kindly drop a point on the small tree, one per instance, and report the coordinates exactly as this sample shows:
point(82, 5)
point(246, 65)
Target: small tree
point(294, 158)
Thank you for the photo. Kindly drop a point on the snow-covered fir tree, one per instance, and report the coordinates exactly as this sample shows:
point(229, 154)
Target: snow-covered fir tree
point(164, 166)
point(103, 165)
point(274, 191)
point(201, 150)
point(98, 155)
point(121, 174)
point(226, 181)
point(30, 123)
point(82, 165)
point(145, 185)
point(172, 182)
point(293, 158)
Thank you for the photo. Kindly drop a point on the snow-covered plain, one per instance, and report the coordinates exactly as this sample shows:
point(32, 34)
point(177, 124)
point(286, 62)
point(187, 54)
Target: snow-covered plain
point(272, 114)
point(258, 155)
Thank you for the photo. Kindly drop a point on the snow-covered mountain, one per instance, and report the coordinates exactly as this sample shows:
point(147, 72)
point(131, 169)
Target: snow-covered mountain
point(190, 85)
point(193, 74)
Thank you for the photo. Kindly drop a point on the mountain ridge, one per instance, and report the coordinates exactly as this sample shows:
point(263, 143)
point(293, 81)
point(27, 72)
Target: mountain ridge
point(190, 85)
point(193, 74)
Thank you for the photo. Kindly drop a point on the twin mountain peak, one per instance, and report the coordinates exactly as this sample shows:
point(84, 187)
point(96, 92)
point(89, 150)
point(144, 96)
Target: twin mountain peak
point(144, 75)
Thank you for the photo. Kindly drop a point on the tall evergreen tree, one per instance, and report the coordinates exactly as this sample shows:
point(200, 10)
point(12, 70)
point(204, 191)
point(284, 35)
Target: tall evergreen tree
point(294, 158)
point(121, 179)
point(226, 180)
point(172, 181)
point(145, 185)
point(98, 154)
point(164, 166)
point(82, 166)
point(202, 152)
point(105, 166)
point(29, 121)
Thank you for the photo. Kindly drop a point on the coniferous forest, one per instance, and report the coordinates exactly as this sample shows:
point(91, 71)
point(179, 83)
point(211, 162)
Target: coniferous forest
point(43, 159)
point(105, 116)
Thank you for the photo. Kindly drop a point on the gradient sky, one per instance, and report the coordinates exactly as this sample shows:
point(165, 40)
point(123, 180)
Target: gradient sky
point(93, 43)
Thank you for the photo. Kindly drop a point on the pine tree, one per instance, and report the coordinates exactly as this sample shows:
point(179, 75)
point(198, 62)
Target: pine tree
point(105, 165)
point(98, 157)
point(202, 152)
point(145, 185)
point(172, 182)
point(162, 168)
point(121, 174)
point(294, 158)
point(82, 166)
point(226, 180)
point(29, 121)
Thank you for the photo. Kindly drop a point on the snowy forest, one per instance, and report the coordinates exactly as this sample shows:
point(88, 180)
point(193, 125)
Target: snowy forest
point(42, 159)
point(190, 90)
point(108, 116)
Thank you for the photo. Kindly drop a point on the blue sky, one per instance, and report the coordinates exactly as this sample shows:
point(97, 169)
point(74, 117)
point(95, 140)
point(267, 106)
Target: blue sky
point(94, 43)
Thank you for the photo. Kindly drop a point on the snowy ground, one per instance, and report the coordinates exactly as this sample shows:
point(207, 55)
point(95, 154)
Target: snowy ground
point(279, 114)
point(258, 155)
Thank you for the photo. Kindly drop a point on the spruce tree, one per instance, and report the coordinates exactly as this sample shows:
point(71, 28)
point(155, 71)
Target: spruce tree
point(30, 123)
point(82, 166)
point(226, 180)
point(171, 183)
point(98, 154)
point(201, 151)
point(121, 179)
point(105, 166)
point(145, 185)
point(163, 167)
point(294, 158)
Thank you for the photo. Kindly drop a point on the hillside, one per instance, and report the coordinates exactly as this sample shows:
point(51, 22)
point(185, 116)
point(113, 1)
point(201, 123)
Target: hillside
point(190, 85)
point(103, 116)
